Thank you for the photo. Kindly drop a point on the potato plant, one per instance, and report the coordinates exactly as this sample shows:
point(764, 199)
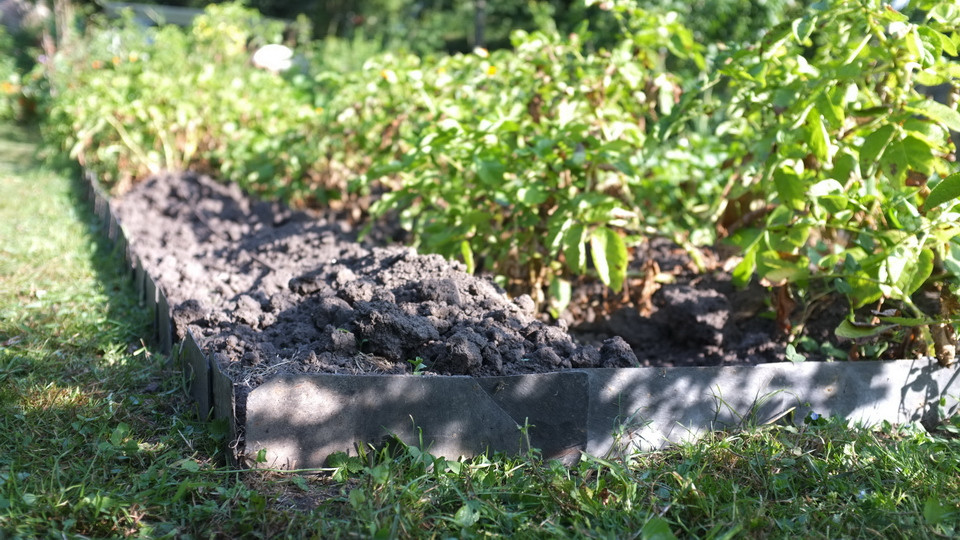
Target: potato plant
point(532, 165)
point(129, 102)
point(842, 176)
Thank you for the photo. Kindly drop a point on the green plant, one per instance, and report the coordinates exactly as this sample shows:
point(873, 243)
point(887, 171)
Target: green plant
point(533, 158)
point(840, 173)
point(130, 103)
point(417, 365)
point(12, 80)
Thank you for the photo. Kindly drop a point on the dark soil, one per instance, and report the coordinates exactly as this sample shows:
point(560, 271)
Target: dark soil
point(267, 289)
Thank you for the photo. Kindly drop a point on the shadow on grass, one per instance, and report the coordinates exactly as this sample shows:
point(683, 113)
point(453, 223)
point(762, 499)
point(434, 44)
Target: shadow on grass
point(73, 342)
point(20, 149)
point(125, 303)
point(92, 425)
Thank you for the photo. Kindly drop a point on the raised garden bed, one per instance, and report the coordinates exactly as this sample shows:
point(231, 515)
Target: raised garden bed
point(305, 342)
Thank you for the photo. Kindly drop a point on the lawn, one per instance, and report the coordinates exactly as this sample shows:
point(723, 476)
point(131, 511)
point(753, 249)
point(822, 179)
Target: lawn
point(97, 438)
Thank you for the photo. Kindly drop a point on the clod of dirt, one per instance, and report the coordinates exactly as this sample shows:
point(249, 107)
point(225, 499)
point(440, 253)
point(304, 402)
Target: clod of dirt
point(694, 316)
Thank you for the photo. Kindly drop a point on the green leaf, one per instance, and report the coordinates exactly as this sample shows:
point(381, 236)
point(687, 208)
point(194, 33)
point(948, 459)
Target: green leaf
point(356, 498)
point(873, 148)
point(778, 270)
point(819, 138)
point(915, 275)
point(920, 156)
point(844, 164)
point(829, 109)
point(609, 257)
point(848, 330)
point(749, 241)
point(931, 77)
point(945, 42)
point(657, 529)
point(789, 240)
point(467, 253)
point(385, 169)
point(189, 465)
point(895, 161)
point(560, 294)
point(790, 188)
point(937, 112)
point(573, 249)
point(300, 483)
point(863, 291)
point(792, 354)
point(928, 46)
point(744, 269)
point(905, 321)
point(338, 459)
point(468, 514)
point(454, 467)
point(490, 172)
point(532, 195)
point(935, 135)
point(556, 229)
point(945, 12)
point(802, 28)
point(119, 434)
point(935, 511)
point(946, 190)
point(829, 194)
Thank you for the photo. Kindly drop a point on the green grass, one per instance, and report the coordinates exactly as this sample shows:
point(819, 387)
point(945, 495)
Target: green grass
point(96, 438)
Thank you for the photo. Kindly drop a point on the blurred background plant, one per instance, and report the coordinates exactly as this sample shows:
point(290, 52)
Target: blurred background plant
point(21, 26)
point(9, 77)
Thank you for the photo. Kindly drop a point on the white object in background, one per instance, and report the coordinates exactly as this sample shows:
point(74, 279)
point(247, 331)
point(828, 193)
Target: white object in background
point(275, 58)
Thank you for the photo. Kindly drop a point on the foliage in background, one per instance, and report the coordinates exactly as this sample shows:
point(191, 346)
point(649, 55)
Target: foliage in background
point(731, 21)
point(131, 101)
point(9, 77)
point(19, 88)
point(432, 26)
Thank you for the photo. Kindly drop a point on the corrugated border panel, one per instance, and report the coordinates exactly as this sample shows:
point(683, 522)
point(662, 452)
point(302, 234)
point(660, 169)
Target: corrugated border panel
point(196, 372)
point(224, 408)
point(150, 298)
point(164, 326)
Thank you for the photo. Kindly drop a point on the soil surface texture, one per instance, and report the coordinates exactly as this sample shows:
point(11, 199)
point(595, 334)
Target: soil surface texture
point(269, 290)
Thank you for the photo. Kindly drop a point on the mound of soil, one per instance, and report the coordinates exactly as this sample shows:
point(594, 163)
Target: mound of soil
point(267, 289)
